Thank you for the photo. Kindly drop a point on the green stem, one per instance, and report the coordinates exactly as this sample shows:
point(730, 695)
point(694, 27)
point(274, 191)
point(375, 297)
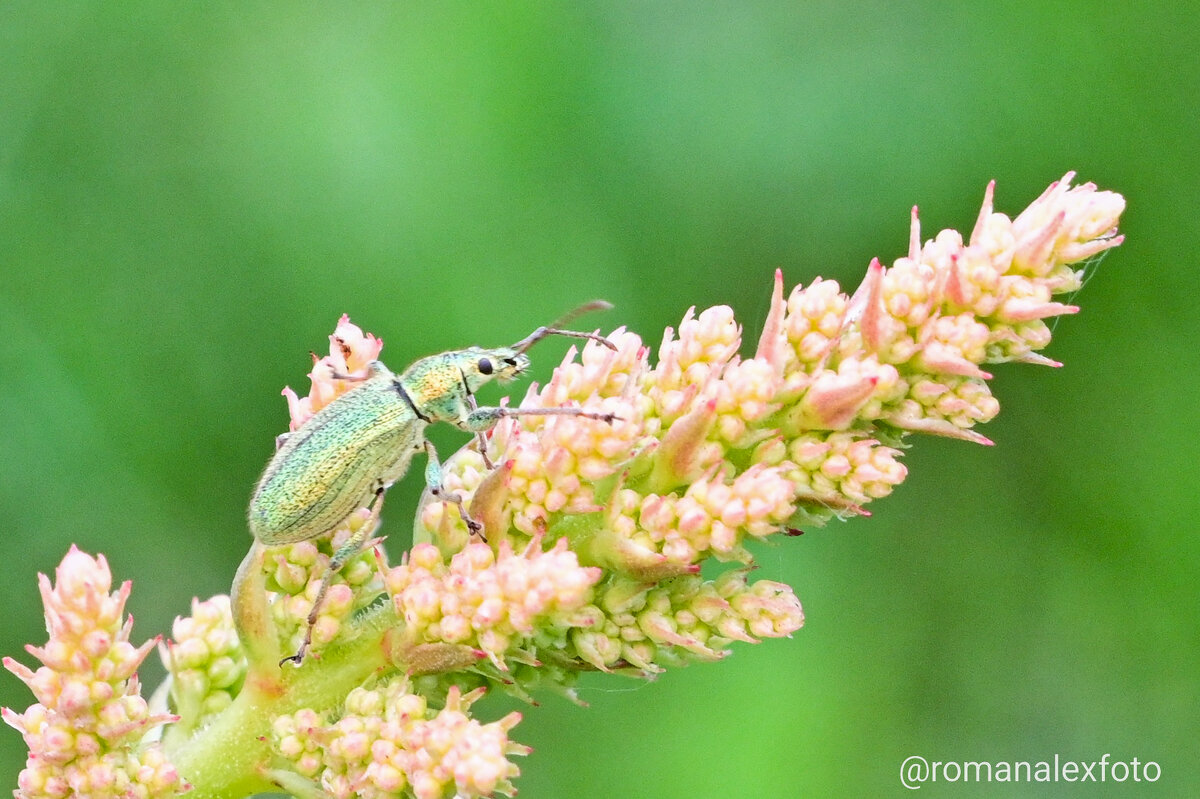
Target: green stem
point(231, 755)
point(228, 757)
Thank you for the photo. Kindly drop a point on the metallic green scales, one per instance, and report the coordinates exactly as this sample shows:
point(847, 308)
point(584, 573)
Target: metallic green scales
point(334, 463)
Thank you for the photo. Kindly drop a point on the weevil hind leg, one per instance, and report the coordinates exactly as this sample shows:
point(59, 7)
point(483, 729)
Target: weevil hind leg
point(343, 554)
point(480, 435)
point(487, 462)
point(356, 541)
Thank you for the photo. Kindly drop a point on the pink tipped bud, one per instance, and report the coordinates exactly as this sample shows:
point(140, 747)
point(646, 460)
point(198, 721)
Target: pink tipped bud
point(772, 344)
point(834, 399)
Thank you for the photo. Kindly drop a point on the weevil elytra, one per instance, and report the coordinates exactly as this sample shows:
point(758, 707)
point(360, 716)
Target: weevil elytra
point(353, 449)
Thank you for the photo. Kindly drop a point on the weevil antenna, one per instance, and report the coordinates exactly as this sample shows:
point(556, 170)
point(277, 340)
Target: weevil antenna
point(556, 328)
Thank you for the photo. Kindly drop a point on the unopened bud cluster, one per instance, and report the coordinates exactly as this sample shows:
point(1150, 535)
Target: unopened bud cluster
point(350, 352)
point(683, 618)
point(85, 731)
point(386, 742)
point(491, 602)
point(205, 659)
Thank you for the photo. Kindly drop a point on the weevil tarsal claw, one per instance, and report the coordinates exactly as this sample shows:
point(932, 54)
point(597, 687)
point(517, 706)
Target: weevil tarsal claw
point(452, 498)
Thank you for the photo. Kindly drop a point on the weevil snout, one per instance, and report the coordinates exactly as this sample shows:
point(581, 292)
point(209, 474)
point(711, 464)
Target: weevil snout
point(506, 364)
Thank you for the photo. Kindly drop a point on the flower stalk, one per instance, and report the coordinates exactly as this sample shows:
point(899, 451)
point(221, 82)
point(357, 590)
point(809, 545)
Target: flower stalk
point(596, 535)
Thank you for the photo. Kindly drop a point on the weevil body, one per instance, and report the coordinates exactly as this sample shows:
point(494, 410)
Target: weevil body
point(363, 441)
point(355, 447)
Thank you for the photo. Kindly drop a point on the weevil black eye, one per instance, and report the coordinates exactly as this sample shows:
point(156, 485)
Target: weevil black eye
point(484, 366)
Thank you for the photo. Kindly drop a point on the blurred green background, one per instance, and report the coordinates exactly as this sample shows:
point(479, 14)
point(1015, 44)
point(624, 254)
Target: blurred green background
point(190, 195)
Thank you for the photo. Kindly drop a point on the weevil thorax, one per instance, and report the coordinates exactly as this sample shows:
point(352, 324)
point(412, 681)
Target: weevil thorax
point(440, 384)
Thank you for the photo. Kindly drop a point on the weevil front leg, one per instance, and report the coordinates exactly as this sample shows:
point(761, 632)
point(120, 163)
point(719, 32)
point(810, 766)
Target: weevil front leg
point(487, 462)
point(480, 435)
point(433, 479)
point(343, 554)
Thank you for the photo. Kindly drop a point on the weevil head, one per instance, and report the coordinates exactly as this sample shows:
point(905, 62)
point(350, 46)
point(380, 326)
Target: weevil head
point(481, 366)
point(440, 386)
point(436, 384)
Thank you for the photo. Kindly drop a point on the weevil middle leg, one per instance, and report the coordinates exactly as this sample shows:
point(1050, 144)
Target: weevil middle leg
point(433, 479)
point(479, 421)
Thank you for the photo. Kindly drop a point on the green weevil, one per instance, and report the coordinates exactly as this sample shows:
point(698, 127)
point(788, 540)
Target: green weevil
point(353, 449)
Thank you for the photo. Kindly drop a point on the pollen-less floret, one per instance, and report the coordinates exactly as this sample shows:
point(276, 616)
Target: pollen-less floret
point(746, 393)
point(815, 315)
point(704, 347)
point(843, 468)
point(556, 460)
